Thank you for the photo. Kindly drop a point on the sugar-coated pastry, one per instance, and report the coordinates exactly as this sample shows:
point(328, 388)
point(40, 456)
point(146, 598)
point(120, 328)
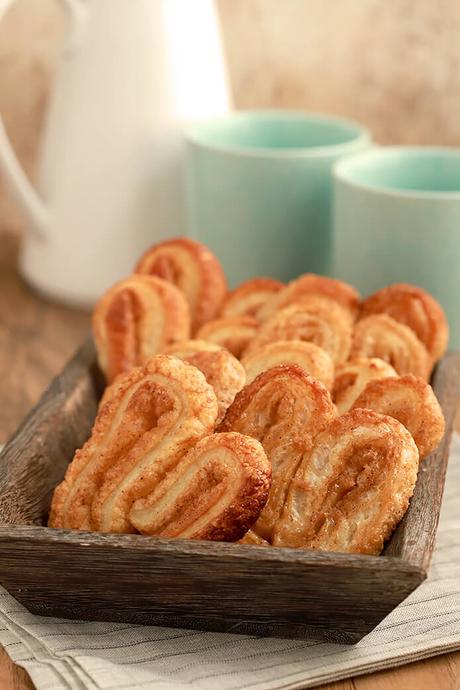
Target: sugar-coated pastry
point(381, 336)
point(321, 286)
point(415, 308)
point(352, 487)
point(352, 377)
point(194, 269)
point(310, 357)
point(315, 320)
point(253, 539)
point(135, 320)
point(222, 370)
point(250, 297)
point(283, 408)
point(410, 400)
point(215, 492)
point(232, 332)
point(153, 416)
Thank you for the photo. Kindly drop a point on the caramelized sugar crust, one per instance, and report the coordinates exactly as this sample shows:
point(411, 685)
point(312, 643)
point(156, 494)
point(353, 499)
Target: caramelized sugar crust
point(193, 268)
point(283, 408)
point(352, 377)
point(352, 486)
point(135, 320)
point(415, 308)
point(381, 336)
point(221, 369)
point(234, 333)
point(215, 492)
point(316, 320)
point(313, 359)
point(153, 416)
point(249, 298)
point(311, 284)
point(410, 400)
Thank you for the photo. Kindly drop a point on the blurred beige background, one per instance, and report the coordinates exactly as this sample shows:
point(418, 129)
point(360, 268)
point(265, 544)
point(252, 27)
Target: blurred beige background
point(394, 66)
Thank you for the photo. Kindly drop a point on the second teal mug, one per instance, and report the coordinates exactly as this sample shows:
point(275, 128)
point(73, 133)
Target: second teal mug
point(259, 189)
point(397, 219)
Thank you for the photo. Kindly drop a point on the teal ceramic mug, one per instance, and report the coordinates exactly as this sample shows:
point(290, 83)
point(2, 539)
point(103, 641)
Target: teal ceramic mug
point(259, 189)
point(397, 219)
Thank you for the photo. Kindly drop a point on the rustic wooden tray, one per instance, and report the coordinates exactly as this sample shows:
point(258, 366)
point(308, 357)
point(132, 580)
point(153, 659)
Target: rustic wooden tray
point(212, 586)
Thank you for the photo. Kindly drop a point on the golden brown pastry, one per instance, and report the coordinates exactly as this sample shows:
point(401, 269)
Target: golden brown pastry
point(410, 400)
point(352, 487)
point(194, 269)
point(232, 332)
point(283, 408)
point(135, 320)
point(352, 377)
point(311, 284)
point(215, 492)
point(316, 320)
point(313, 359)
point(253, 539)
point(222, 370)
point(415, 308)
point(154, 415)
point(250, 297)
point(381, 336)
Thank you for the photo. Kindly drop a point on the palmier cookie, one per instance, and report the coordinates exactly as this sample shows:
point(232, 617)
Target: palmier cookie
point(153, 416)
point(352, 487)
point(313, 359)
point(410, 400)
point(321, 286)
point(232, 332)
point(221, 369)
point(250, 297)
point(352, 377)
point(192, 268)
point(415, 308)
point(215, 492)
point(315, 320)
point(135, 320)
point(283, 408)
point(381, 336)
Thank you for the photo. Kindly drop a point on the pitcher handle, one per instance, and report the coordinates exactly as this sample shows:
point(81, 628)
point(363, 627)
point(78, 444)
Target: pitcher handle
point(25, 195)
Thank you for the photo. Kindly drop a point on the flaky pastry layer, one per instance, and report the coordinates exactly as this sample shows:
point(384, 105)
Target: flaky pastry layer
point(192, 268)
point(352, 486)
point(283, 408)
point(410, 400)
point(135, 320)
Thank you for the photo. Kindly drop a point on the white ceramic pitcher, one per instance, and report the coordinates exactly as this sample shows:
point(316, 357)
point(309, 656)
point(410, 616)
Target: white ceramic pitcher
point(132, 73)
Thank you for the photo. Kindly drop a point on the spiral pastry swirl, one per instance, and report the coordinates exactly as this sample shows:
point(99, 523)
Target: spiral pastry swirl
point(194, 270)
point(352, 486)
point(283, 408)
point(352, 377)
point(411, 401)
point(311, 284)
point(249, 298)
point(381, 336)
point(135, 320)
point(215, 492)
point(234, 333)
point(153, 416)
point(313, 359)
point(315, 320)
point(415, 308)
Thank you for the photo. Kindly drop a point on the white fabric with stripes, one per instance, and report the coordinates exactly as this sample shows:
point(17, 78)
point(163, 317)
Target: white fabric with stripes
point(111, 656)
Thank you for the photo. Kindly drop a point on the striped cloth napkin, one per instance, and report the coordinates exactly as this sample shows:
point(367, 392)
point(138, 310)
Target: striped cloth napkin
point(76, 654)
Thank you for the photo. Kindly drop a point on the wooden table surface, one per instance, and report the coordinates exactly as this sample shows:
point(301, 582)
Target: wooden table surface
point(36, 338)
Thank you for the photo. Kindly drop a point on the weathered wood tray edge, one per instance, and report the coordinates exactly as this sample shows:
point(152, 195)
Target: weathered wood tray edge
point(225, 587)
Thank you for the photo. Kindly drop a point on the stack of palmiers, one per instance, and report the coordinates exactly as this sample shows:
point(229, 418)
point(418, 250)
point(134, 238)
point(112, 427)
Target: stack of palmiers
point(284, 415)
